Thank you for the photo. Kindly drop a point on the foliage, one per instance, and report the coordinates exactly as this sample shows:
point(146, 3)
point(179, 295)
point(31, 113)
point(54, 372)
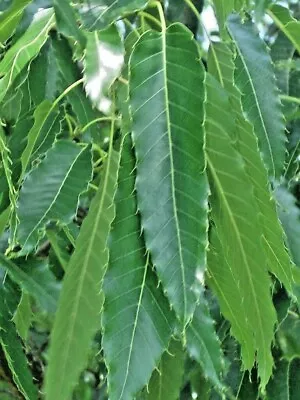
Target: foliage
point(149, 200)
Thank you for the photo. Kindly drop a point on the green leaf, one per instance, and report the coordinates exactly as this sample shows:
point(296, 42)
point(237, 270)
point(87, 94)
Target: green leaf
point(52, 193)
point(289, 214)
point(10, 18)
point(10, 342)
point(285, 381)
point(34, 276)
point(282, 51)
point(256, 80)
point(137, 319)
point(25, 49)
point(98, 14)
point(23, 316)
point(59, 245)
point(166, 382)
point(104, 57)
point(222, 9)
point(66, 21)
point(78, 314)
point(44, 70)
point(260, 9)
point(203, 344)
point(238, 229)
point(7, 167)
point(286, 23)
point(69, 74)
point(42, 134)
point(277, 259)
point(166, 103)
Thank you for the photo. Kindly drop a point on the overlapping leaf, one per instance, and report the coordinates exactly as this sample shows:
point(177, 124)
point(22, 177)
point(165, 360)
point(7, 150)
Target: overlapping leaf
point(25, 49)
point(98, 14)
point(238, 229)
point(44, 70)
point(286, 23)
point(282, 51)
point(276, 257)
point(52, 193)
point(290, 218)
point(285, 382)
point(42, 134)
point(256, 80)
point(66, 21)
point(103, 63)
point(78, 315)
point(204, 346)
point(69, 74)
point(165, 383)
point(34, 276)
point(137, 319)
point(11, 343)
point(166, 96)
point(10, 18)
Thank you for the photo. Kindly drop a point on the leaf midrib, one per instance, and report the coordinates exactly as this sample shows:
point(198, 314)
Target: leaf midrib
point(258, 109)
point(239, 241)
point(83, 272)
point(167, 110)
point(134, 327)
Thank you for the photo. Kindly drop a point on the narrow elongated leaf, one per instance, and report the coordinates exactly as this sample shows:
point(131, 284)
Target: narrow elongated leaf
point(203, 344)
point(137, 319)
point(78, 315)
point(52, 193)
point(23, 316)
point(66, 21)
point(286, 23)
point(256, 80)
point(44, 70)
point(103, 63)
point(10, 18)
point(11, 343)
point(277, 259)
point(34, 276)
point(166, 103)
point(237, 225)
point(165, 383)
point(98, 14)
point(25, 49)
point(229, 296)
